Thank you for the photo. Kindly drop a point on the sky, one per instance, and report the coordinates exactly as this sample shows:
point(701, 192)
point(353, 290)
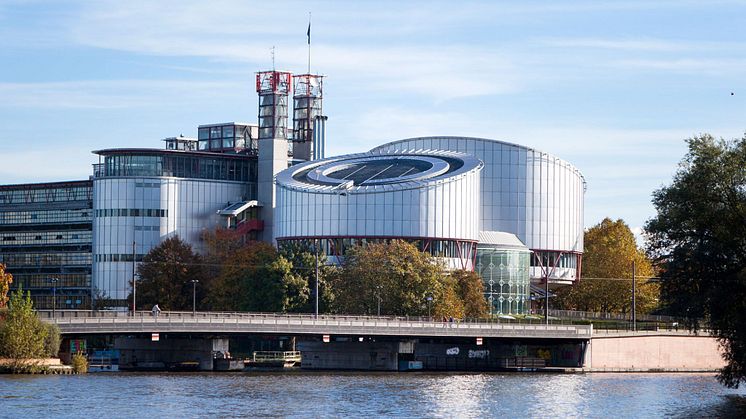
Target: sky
point(614, 87)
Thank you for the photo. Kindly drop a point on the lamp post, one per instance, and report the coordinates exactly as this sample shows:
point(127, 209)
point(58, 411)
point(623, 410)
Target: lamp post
point(54, 296)
point(634, 302)
point(378, 288)
point(429, 300)
point(194, 296)
point(134, 283)
point(316, 251)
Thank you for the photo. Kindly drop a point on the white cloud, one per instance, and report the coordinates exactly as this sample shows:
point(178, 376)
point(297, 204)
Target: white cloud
point(109, 94)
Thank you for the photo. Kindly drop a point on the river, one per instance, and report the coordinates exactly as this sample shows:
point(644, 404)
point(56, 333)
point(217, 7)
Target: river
point(338, 394)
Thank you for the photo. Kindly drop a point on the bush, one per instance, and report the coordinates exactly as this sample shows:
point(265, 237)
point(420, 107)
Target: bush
point(23, 334)
point(52, 340)
point(80, 363)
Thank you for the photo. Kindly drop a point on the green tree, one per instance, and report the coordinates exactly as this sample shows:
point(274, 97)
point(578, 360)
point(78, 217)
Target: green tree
point(165, 274)
point(52, 340)
point(5, 280)
point(610, 249)
point(251, 277)
point(22, 334)
point(398, 275)
point(303, 260)
point(699, 237)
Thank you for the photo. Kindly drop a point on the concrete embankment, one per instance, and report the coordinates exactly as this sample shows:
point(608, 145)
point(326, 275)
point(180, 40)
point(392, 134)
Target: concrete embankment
point(653, 352)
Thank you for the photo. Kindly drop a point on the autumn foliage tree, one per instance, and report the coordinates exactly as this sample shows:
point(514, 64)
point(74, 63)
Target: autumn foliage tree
point(402, 278)
point(251, 276)
point(606, 286)
point(5, 280)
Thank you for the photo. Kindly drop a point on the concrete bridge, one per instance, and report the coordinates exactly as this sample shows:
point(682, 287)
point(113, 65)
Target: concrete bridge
point(120, 323)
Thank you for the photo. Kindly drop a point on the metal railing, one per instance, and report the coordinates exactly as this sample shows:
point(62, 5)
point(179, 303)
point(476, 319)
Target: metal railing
point(264, 356)
point(82, 322)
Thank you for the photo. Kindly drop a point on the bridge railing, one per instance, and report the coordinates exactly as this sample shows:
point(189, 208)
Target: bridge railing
point(216, 315)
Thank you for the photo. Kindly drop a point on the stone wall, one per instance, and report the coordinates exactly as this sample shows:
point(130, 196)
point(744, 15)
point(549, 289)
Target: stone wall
point(663, 352)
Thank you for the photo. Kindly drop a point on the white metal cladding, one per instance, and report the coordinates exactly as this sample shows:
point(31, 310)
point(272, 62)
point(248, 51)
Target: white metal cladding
point(444, 206)
point(532, 194)
point(166, 207)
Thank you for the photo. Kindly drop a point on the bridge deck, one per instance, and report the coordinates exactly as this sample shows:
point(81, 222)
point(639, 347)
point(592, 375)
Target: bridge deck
point(103, 322)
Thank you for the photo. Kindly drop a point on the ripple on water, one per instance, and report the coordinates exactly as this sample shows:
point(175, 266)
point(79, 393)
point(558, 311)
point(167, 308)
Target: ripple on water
point(325, 394)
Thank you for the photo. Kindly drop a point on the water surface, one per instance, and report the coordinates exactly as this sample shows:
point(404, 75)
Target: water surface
point(326, 394)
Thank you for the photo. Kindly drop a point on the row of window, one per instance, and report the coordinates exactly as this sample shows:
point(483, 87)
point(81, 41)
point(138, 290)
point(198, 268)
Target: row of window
point(196, 167)
point(340, 246)
point(63, 280)
point(131, 212)
point(147, 228)
point(550, 259)
point(45, 259)
point(118, 257)
point(52, 194)
point(45, 216)
point(21, 238)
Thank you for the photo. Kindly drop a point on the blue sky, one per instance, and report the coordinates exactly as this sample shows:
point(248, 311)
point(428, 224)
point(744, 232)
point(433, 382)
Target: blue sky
point(613, 87)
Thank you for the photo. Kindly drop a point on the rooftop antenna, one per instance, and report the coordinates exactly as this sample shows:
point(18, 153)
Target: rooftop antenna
point(273, 58)
point(308, 35)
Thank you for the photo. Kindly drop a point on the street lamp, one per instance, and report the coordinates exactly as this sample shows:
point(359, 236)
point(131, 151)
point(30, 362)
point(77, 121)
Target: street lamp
point(429, 300)
point(378, 288)
point(194, 296)
point(54, 296)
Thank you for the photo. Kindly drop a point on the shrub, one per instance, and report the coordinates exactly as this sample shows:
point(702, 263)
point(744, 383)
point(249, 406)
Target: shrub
point(80, 363)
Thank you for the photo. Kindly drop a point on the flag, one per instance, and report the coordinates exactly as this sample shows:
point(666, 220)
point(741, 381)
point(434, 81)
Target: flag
point(308, 33)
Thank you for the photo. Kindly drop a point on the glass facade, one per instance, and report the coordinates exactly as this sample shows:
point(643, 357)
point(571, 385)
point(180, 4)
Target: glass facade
point(337, 247)
point(526, 192)
point(145, 211)
point(505, 273)
point(46, 239)
point(228, 138)
point(180, 165)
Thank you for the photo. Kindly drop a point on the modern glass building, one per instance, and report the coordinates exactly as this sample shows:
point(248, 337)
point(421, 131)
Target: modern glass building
point(45, 241)
point(228, 137)
point(526, 192)
point(429, 198)
point(143, 196)
point(503, 263)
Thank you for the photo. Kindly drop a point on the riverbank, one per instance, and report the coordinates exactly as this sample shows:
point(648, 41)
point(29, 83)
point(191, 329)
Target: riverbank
point(34, 366)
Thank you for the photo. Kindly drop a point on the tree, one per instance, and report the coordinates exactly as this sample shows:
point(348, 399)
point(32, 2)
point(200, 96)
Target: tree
point(165, 276)
point(22, 334)
point(303, 260)
point(399, 277)
point(470, 290)
point(699, 237)
point(610, 249)
point(250, 277)
point(5, 280)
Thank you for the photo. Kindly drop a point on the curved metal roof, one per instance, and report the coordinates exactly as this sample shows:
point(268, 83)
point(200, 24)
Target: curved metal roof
point(378, 172)
point(446, 137)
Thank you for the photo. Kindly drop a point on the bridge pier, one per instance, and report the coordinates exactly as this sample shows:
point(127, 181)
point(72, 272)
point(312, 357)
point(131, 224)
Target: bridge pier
point(168, 353)
point(440, 354)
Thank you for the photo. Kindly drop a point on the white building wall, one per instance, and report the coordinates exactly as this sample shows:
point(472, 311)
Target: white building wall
point(445, 210)
point(185, 207)
point(534, 195)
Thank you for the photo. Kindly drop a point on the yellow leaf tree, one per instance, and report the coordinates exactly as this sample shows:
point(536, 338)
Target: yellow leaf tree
point(606, 283)
point(5, 280)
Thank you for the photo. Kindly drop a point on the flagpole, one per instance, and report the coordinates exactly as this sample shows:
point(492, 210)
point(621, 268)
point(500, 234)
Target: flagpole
point(309, 42)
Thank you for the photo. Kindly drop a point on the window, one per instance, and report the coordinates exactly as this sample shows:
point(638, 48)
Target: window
point(228, 131)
